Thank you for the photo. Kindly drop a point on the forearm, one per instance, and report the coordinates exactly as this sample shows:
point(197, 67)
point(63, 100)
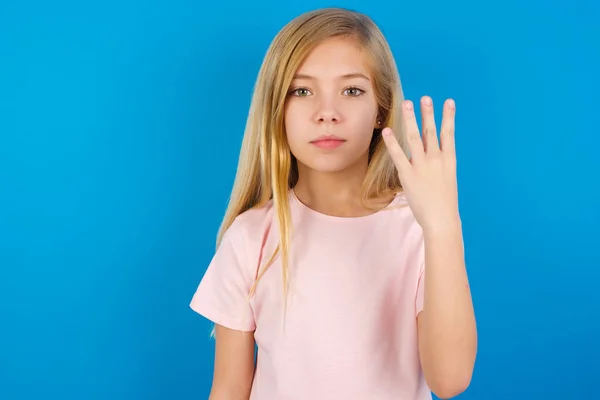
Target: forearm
point(447, 329)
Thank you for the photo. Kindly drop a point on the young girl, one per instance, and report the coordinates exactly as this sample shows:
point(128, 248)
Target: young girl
point(340, 255)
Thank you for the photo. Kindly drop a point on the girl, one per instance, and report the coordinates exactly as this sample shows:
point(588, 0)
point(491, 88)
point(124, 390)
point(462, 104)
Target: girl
point(339, 257)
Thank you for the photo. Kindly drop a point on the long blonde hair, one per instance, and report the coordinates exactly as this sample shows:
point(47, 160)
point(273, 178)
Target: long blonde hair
point(266, 169)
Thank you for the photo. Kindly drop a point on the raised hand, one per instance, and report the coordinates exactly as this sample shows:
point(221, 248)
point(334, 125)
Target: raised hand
point(429, 177)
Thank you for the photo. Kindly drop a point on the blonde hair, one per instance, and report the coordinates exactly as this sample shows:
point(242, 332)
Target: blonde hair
point(266, 169)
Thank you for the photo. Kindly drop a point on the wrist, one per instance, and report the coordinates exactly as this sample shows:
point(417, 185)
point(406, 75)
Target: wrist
point(443, 226)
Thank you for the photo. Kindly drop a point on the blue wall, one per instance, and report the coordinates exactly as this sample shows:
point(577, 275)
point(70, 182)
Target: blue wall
point(120, 125)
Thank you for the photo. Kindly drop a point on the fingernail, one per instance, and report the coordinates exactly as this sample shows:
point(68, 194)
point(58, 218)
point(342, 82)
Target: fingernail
point(386, 132)
point(427, 100)
point(451, 103)
point(408, 105)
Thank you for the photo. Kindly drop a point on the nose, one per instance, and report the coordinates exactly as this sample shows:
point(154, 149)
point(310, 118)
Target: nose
point(328, 117)
point(327, 112)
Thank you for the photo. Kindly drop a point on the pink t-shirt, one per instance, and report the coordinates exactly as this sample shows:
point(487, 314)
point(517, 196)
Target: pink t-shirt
point(355, 289)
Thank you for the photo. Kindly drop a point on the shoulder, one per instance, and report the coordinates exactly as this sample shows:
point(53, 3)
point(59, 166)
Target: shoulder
point(401, 212)
point(255, 216)
point(250, 221)
point(249, 229)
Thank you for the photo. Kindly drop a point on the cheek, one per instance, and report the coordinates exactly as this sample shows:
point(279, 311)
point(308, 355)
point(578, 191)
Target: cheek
point(296, 110)
point(296, 123)
point(360, 120)
point(363, 115)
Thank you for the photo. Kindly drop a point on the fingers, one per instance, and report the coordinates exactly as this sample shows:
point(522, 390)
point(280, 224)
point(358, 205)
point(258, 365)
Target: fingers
point(400, 160)
point(430, 139)
point(447, 128)
point(413, 137)
point(429, 142)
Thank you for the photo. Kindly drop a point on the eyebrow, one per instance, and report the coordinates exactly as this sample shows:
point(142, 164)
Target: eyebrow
point(345, 76)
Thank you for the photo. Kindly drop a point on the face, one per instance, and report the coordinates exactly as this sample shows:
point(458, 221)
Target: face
point(331, 109)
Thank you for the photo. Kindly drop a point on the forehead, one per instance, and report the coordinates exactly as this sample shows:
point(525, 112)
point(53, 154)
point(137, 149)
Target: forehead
point(334, 57)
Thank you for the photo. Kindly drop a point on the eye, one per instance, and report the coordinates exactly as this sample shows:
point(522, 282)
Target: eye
point(300, 92)
point(353, 91)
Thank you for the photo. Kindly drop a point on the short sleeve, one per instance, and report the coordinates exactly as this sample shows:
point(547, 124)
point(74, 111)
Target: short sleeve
point(420, 292)
point(222, 294)
point(420, 295)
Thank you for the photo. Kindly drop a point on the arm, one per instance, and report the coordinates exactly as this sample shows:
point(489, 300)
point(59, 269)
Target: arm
point(234, 364)
point(446, 326)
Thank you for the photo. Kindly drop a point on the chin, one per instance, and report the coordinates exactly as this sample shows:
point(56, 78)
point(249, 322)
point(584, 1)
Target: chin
point(327, 166)
point(332, 162)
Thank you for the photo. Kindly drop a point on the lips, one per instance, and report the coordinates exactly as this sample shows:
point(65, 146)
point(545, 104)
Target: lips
point(328, 142)
point(327, 137)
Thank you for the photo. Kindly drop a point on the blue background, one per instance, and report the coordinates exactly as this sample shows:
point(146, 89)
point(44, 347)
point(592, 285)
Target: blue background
point(120, 127)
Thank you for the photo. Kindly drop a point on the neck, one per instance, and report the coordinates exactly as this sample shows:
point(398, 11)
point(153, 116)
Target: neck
point(333, 193)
